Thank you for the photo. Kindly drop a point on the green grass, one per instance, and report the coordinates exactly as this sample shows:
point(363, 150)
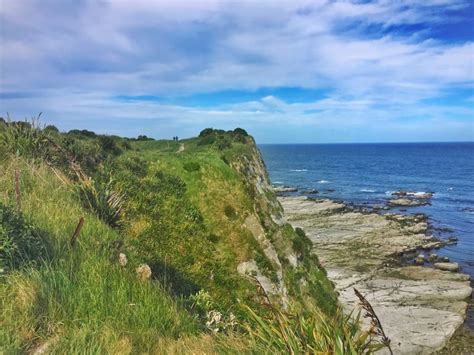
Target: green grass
point(81, 293)
point(185, 213)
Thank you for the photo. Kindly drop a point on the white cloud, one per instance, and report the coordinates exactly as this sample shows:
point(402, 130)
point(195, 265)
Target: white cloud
point(80, 55)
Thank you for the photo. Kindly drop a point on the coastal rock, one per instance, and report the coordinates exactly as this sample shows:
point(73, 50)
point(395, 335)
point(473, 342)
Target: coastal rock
point(420, 259)
point(283, 189)
point(420, 308)
point(406, 202)
point(409, 199)
point(452, 240)
point(453, 267)
point(411, 194)
point(432, 258)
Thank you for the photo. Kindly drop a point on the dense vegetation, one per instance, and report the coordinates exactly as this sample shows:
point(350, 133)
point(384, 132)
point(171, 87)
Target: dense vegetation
point(185, 209)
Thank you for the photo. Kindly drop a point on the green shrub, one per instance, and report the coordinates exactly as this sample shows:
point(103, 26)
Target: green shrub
point(21, 243)
point(25, 139)
point(144, 138)
point(206, 132)
point(101, 198)
point(51, 129)
point(223, 143)
point(136, 165)
point(191, 166)
point(84, 133)
point(207, 139)
point(109, 145)
point(230, 212)
point(301, 243)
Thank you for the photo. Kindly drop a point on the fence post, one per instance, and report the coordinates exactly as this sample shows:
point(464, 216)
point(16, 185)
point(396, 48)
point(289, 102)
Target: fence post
point(76, 232)
point(17, 189)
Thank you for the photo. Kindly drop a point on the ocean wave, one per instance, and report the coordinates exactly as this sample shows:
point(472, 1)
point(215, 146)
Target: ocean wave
point(298, 170)
point(278, 182)
point(323, 182)
point(367, 190)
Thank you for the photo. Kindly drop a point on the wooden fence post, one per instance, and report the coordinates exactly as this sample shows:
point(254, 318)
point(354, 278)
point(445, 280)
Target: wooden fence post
point(17, 189)
point(76, 232)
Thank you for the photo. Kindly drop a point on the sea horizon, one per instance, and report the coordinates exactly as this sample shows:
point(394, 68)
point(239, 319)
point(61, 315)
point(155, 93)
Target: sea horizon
point(369, 174)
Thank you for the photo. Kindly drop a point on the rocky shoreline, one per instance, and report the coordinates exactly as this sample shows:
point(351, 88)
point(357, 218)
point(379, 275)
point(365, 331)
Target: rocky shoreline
point(420, 307)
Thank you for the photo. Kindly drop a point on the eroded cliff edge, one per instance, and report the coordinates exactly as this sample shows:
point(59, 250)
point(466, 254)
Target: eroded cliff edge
point(420, 308)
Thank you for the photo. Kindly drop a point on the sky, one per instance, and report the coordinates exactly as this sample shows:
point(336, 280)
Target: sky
point(286, 71)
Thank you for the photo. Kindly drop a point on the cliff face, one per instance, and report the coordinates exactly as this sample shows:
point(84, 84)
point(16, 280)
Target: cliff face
point(244, 240)
point(298, 274)
point(265, 222)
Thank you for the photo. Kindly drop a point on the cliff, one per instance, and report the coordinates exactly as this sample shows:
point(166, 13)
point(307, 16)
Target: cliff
point(133, 245)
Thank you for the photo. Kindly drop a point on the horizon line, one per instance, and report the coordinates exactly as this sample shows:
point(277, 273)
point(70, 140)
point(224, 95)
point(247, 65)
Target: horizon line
point(408, 142)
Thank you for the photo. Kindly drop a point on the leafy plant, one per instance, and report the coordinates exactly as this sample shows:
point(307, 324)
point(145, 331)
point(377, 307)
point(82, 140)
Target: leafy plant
point(101, 198)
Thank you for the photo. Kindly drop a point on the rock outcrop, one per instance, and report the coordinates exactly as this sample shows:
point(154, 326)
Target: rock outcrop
point(420, 308)
point(407, 199)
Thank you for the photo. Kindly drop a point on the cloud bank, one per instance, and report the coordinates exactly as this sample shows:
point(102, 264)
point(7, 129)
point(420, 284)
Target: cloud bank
point(368, 71)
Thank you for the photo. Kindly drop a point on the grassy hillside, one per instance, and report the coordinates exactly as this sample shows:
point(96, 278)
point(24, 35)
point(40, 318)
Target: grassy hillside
point(227, 272)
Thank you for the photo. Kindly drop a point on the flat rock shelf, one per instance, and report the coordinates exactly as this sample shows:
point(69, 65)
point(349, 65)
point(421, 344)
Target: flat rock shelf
point(420, 307)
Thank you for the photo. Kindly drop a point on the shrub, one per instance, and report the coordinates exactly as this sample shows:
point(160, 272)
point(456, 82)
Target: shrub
point(206, 132)
point(84, 133)
point(301, 243)
point(144, 138)
point(191, 166)
point(241, 132)
point(102, 199)
point(51, 129)
point(230, 212)
point(109, 145)
point(21, 243)
point(137, 166)
point(223, 143)
point(25, 139)
point(207, 139)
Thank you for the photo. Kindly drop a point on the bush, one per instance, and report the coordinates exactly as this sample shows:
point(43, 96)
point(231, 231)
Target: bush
point(137, 166)
point(82, 133)
point(241, 132)
point(223, 143)
point(207, 140)
point(301, 243)
point(144, 138)
point(191, 166)
point(25, 139)
point(100, 198)
point(51, 129)
point(21, 243)
point(109, 145)
point(206, 132)
point(230, 212)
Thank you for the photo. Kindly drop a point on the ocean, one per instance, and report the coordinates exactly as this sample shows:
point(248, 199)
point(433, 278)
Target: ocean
point(367, 174)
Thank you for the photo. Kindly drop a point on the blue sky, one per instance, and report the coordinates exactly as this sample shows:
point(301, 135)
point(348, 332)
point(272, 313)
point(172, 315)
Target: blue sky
point(287, 71)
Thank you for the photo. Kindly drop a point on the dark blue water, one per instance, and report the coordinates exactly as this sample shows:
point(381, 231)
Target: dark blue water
point(369, 173)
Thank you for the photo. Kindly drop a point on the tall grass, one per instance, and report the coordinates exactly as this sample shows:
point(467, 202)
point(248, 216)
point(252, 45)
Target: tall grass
point(311, 333)
point(81, 300)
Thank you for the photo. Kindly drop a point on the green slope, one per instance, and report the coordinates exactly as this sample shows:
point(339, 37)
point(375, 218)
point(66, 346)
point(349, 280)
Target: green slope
point(199, 212)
